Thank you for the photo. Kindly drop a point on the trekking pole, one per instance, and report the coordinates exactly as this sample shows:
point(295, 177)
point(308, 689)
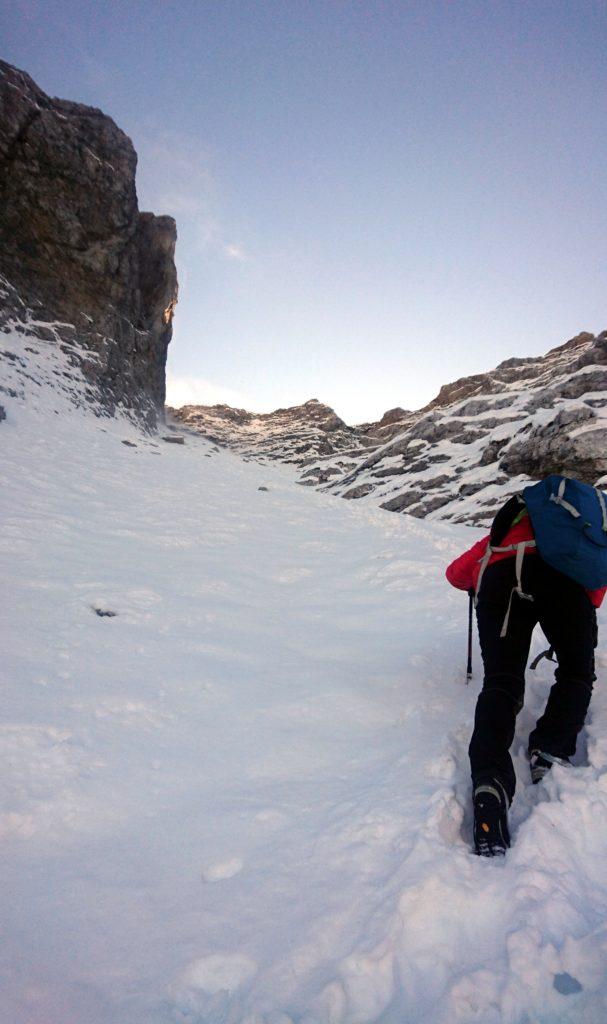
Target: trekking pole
point(470, 613)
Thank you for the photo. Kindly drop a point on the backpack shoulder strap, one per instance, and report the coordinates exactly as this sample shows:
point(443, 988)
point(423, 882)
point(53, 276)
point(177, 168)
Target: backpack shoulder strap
point(506, 517)
point(520, 549)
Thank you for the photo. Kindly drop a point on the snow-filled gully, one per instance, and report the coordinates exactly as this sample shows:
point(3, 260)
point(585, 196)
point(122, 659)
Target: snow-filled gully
point(244, 796)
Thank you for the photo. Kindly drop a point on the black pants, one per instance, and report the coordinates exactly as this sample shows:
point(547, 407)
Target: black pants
point(568, 620)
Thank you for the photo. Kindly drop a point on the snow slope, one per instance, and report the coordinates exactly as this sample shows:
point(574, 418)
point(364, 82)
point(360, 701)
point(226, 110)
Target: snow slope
point(243, 798)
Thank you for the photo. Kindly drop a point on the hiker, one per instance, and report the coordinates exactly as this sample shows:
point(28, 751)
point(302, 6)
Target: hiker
point(515, 589)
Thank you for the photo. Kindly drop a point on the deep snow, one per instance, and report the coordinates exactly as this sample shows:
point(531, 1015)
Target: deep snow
point(244, 797)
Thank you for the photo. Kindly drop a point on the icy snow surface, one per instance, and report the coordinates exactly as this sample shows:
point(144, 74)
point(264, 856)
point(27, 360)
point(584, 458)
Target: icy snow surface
point(243, 798)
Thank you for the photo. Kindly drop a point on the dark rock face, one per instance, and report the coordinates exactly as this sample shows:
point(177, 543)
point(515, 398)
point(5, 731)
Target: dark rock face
point(74, 246)
point(465, 387)
point(556, 447)
point(359, 492)
point(393, 422)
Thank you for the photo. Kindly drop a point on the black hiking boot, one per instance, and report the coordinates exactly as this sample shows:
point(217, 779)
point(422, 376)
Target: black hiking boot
point(491, 835)
point(540, 764)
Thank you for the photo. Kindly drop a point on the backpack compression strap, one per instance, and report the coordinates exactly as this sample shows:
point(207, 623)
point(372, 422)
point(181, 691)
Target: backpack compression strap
point(520, 549)
point(559, 499)
point(601, 498)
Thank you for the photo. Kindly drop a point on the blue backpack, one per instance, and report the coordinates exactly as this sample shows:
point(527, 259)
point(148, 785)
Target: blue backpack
point(569, 521)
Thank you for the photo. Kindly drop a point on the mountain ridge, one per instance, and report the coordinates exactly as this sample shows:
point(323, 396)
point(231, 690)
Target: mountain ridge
point(490, 432)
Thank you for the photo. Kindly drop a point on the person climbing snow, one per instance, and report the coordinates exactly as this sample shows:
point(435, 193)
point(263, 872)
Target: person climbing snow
point(544, 561)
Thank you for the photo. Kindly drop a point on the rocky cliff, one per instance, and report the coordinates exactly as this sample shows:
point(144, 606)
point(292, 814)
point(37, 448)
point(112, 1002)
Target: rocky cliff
point(482, 438)
point(81, 267)
point(299, 435)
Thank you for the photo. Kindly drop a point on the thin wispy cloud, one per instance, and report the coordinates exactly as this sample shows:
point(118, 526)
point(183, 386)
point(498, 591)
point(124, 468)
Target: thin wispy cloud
point(235, 252)
point(175, 176)
point(192, 390)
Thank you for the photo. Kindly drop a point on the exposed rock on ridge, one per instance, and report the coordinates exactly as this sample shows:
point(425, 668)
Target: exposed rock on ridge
point(299, 435)
point(482, 438)
point(74, 247)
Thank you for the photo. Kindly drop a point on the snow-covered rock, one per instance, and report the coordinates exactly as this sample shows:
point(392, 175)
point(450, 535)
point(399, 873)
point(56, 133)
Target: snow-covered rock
point(298, 435)
point(458, 458)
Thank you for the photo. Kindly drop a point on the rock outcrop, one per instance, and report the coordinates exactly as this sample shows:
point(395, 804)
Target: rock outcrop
point(299, 435)
point(482, 438)
point(74, 250)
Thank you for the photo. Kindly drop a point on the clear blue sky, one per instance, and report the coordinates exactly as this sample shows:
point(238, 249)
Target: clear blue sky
point(372, 199)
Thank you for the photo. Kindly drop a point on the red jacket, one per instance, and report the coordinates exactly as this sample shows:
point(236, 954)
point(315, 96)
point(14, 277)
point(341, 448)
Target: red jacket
point(463, 572)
